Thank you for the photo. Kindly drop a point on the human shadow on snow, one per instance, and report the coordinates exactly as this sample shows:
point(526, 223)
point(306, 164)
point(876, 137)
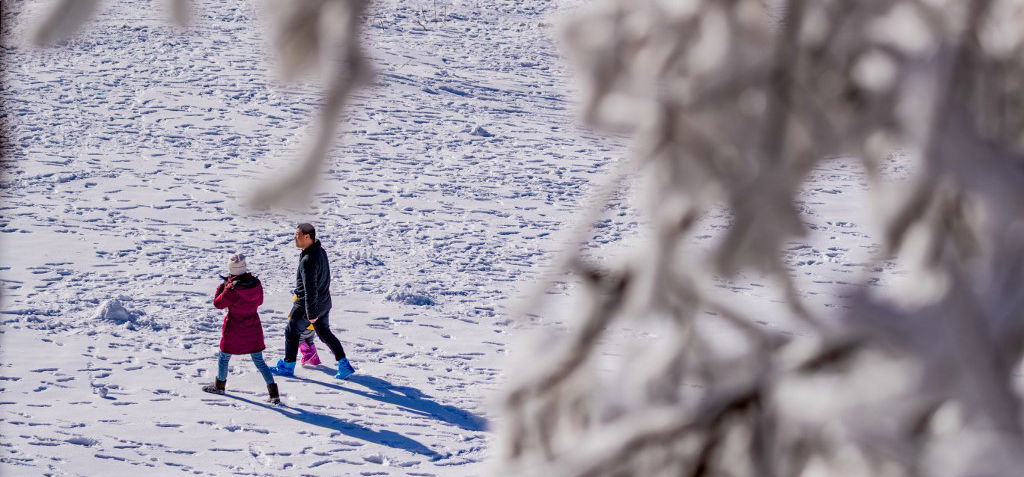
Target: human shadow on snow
point(405, 397)
point(383, 437)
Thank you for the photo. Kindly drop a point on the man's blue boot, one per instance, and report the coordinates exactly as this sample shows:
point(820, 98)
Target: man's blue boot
point(345, 369)
point(284, 368)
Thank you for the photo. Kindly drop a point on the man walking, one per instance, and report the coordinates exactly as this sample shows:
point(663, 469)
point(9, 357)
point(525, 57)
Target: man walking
point(312, 305)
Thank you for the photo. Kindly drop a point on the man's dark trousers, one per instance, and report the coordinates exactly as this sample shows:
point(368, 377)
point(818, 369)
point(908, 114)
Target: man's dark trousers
point(297, 322)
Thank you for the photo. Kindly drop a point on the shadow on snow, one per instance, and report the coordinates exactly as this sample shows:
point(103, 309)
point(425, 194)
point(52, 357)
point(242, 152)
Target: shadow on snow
point(383, 437)
point(407, 398)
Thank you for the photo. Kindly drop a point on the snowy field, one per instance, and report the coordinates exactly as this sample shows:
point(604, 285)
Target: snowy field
point(457, 171)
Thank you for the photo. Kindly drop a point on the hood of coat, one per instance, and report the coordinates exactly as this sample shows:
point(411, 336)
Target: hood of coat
point(245, 280)
point(247, 286)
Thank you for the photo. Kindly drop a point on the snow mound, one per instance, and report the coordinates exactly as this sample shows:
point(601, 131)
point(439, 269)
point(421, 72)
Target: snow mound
point(377, 459)
point(113, 311)
point(480, 131)
point(363, 257)
point(409, 296)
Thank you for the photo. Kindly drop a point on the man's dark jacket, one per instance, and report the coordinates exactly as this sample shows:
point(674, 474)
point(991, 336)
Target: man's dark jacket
point(313, 282)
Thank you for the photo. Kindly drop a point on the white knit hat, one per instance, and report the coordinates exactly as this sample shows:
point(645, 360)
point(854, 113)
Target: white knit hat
point(236, 264)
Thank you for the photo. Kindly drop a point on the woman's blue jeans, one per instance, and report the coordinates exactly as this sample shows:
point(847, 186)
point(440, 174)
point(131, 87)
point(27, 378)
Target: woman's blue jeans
point(257, 359)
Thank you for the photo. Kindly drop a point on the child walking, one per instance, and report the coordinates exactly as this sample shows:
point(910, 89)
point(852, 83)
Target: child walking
point(242, 333)
point(307, 346)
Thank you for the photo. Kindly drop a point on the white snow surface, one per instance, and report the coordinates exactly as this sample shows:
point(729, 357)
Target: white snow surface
point(454, 174)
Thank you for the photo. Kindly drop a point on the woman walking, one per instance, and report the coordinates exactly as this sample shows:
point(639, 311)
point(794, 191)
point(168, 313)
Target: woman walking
point(242, 333)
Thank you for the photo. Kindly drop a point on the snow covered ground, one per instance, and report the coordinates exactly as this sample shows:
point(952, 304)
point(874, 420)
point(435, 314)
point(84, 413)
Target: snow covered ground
point(456, 171)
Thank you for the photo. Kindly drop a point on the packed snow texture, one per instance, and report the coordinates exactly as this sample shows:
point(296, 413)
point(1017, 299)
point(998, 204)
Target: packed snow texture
point(131, 146)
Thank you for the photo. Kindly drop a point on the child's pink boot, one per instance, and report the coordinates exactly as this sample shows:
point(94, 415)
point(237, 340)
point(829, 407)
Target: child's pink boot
point(309, 355)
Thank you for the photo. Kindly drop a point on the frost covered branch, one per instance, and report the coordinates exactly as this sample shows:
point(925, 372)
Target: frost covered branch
point(310, 33)
point(730, 109)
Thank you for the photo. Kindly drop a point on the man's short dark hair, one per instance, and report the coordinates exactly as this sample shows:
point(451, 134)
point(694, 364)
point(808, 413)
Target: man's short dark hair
point(308, 229)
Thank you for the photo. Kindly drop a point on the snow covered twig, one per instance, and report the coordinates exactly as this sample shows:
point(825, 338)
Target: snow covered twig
point(732, 109)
